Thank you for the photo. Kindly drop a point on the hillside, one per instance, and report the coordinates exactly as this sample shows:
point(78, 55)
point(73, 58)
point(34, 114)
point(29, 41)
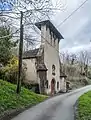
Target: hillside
point(9, 100)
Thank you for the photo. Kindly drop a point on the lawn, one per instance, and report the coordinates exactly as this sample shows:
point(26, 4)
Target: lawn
point(9, 100)
point(84, 107)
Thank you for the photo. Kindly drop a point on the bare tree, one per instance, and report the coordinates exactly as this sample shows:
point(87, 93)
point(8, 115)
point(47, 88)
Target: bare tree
point(33, 11)
point(84, 62)
point(73, 58)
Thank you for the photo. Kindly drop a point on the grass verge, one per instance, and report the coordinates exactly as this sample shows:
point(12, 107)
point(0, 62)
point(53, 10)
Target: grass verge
point(84, 107)
point(9, 100)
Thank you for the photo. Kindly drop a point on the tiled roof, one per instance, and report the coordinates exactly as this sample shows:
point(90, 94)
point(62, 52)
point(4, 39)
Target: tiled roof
point(51, 26)
point(31, 53)
point(41, 67)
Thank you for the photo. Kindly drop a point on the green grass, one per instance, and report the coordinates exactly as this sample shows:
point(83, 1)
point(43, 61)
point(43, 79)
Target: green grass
point(10, 100)
point(84, 107)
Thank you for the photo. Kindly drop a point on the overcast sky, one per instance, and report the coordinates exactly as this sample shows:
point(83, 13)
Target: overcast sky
point(77, 29)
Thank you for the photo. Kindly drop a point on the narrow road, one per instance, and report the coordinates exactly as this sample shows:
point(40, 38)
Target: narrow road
point(56, 108)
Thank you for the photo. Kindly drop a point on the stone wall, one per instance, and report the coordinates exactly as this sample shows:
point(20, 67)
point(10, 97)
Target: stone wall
point(31, 73)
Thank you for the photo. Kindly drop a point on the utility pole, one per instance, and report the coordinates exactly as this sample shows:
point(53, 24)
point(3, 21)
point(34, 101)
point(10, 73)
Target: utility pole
point(20, 55)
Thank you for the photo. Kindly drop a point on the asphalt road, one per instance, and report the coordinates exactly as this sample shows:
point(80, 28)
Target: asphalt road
point(56, 108)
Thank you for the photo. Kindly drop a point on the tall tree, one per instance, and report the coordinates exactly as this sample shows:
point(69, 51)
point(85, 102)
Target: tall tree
point(6, 44)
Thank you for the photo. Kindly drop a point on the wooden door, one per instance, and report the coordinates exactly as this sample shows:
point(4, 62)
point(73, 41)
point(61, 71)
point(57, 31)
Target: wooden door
point(52, 86)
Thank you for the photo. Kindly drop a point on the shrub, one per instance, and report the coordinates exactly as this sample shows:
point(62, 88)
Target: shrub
point(84, 107)
point(32, 87)
point(10, 71)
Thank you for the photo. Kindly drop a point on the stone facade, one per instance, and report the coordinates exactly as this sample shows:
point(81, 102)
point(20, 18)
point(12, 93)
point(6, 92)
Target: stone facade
point(44, 66)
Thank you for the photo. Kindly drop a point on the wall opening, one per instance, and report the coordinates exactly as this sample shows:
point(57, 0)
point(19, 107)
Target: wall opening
point(57, 85)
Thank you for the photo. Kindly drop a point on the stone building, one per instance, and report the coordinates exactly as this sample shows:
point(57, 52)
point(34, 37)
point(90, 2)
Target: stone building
point(43, 64)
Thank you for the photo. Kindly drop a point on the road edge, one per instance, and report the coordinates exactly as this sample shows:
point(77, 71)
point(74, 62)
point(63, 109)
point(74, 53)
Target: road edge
point(76, 110)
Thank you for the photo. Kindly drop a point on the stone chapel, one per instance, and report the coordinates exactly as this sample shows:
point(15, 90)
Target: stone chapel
point(43, 64)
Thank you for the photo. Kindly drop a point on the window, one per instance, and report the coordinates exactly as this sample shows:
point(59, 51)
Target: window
point(54, 40)
point(51, 37)
point(57, 85)
point(46, 28)
point(53, 69)
point(54, 43)
point(47, 84)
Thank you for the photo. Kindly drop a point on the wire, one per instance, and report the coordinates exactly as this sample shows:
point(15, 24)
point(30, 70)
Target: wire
point(10, 16)
point(2, 11)
point(72, 13)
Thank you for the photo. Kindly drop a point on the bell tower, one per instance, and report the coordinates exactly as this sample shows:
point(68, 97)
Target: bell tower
point(50, 38)
point(49, 34)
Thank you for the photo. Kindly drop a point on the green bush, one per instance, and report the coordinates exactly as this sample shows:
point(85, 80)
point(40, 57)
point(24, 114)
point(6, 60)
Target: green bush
point(32, 87)
point(10, 71)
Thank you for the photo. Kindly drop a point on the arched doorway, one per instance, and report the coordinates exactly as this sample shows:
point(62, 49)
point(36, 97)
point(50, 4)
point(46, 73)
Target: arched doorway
point(53, 86)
